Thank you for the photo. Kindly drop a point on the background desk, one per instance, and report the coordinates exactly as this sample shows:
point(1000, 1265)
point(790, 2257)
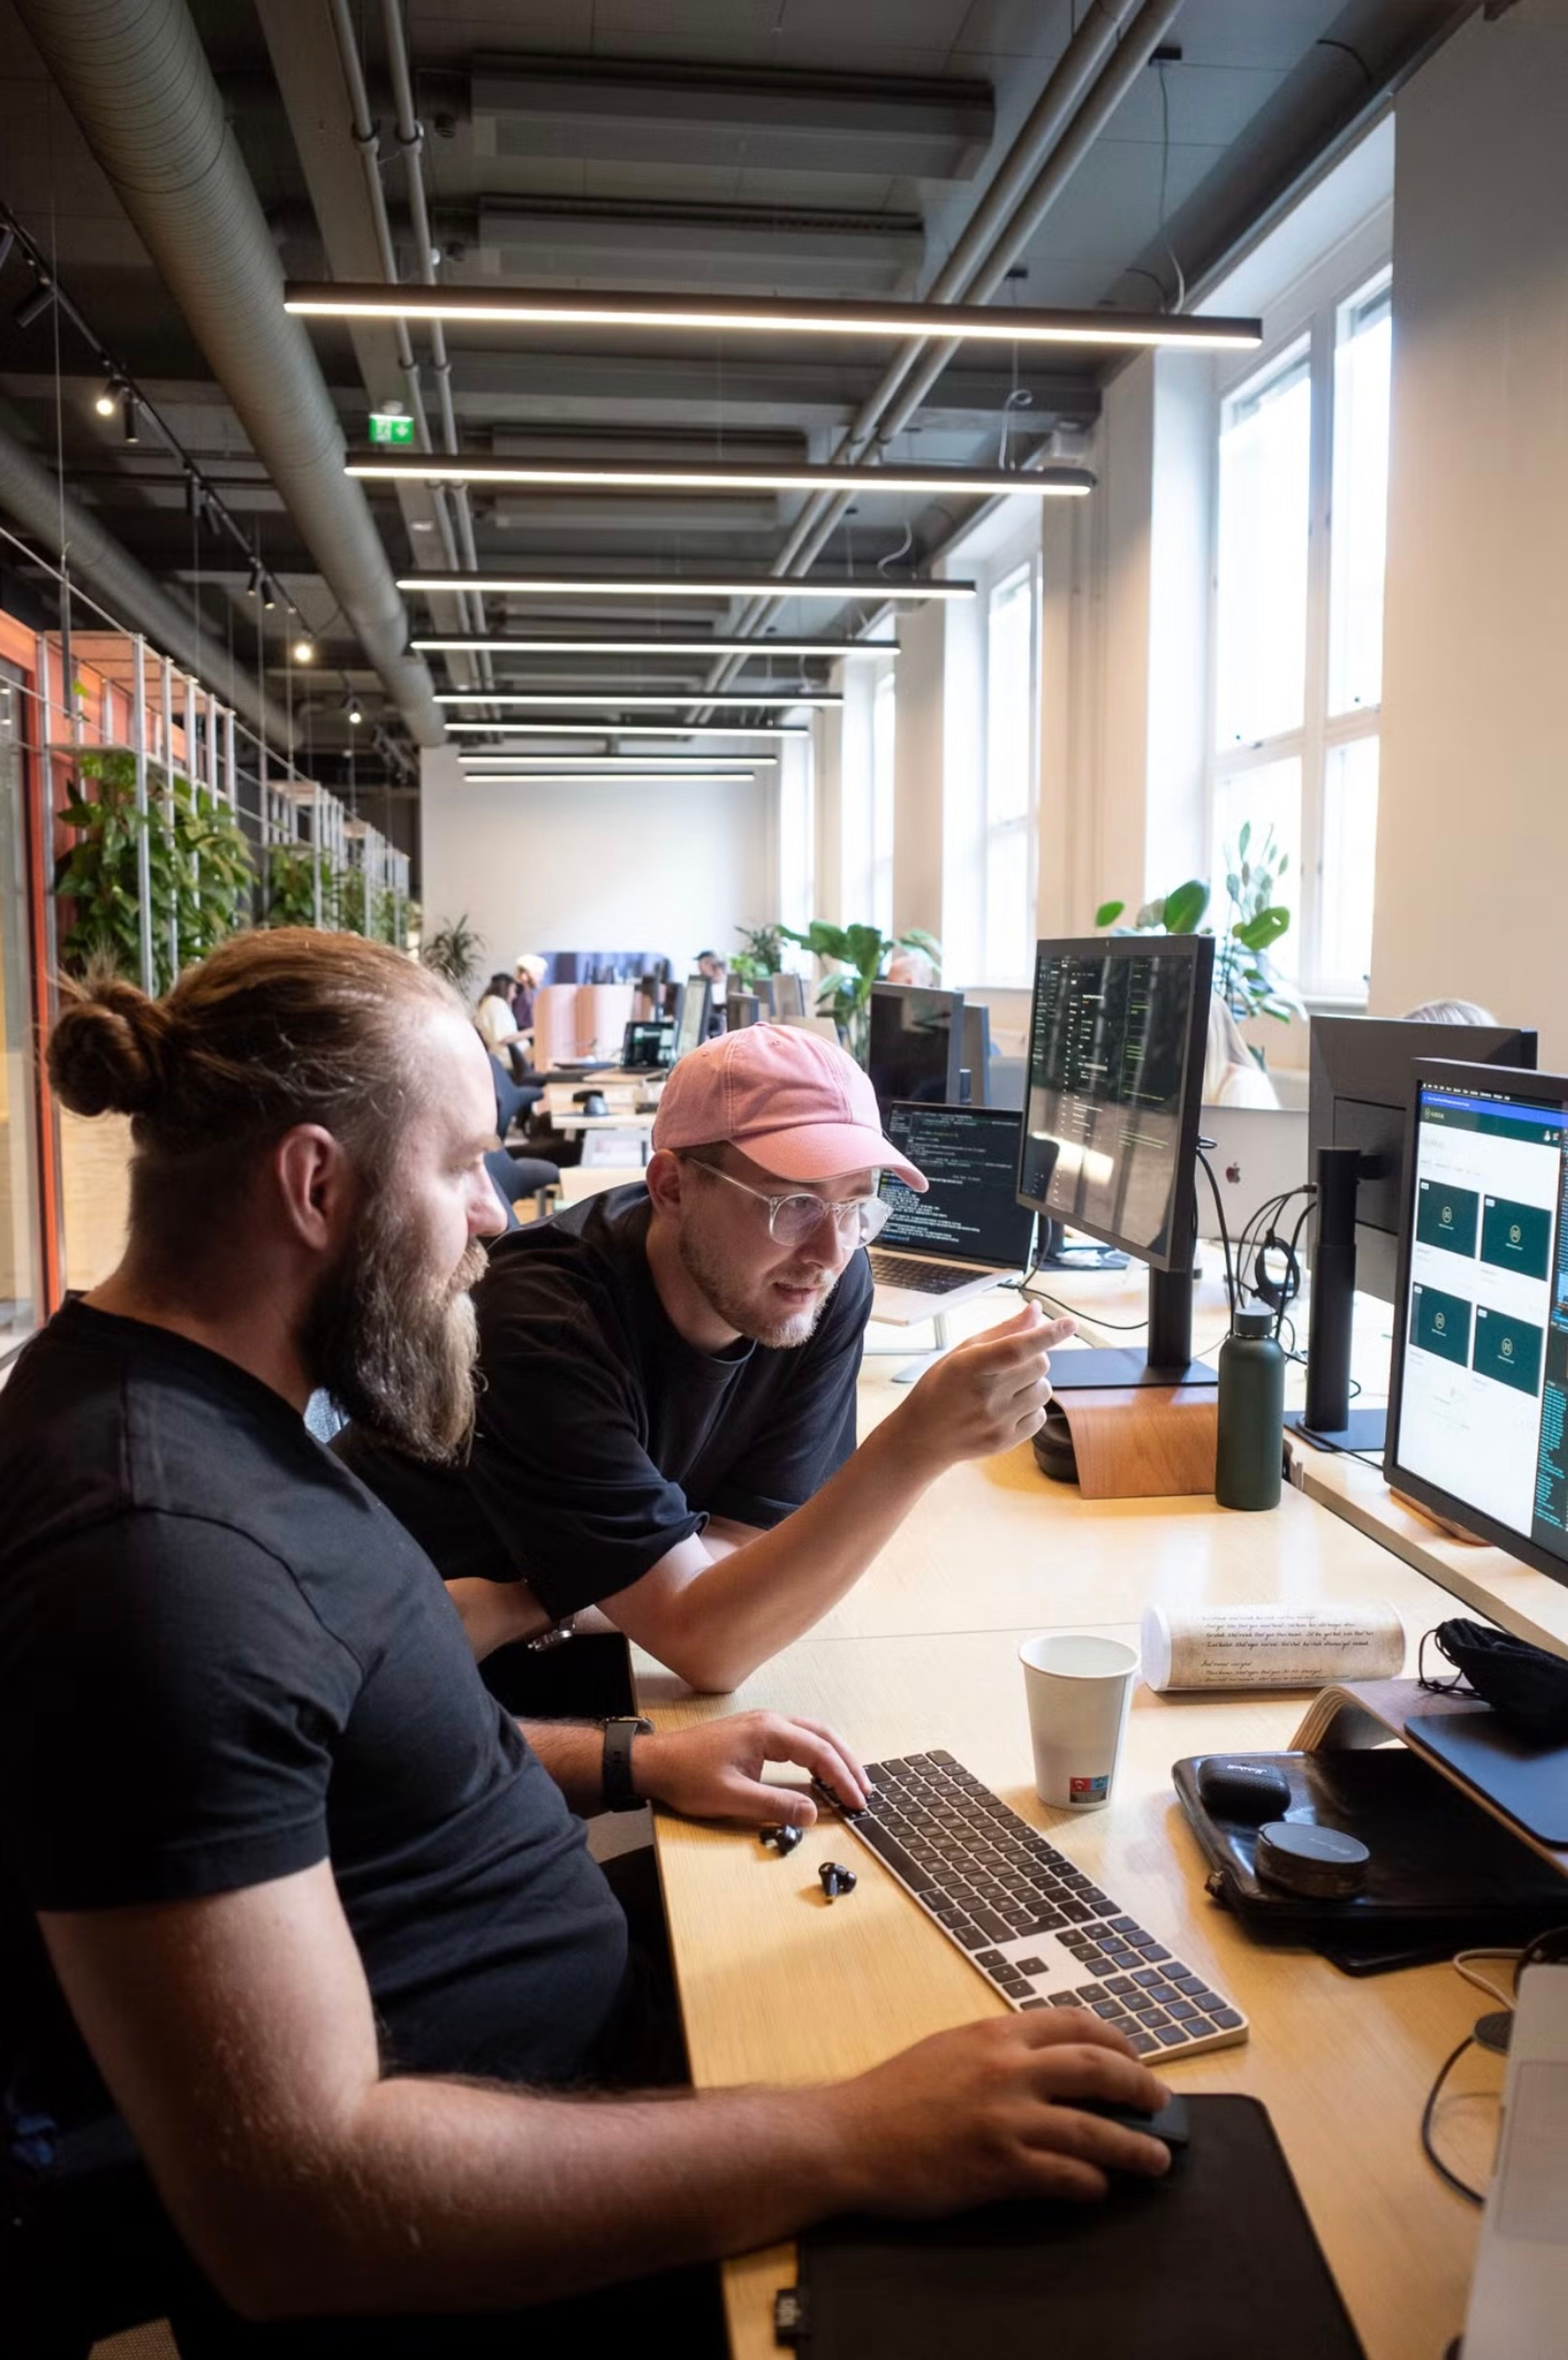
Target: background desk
point(777, 1985)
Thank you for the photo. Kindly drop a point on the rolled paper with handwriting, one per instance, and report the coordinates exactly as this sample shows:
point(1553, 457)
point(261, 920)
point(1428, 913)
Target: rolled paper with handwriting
point(1269, 1646)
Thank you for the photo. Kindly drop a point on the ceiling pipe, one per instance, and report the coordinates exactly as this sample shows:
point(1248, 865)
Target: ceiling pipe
point(411, 139)
point(138, 82)
point(31, 494)
point(1079, 98)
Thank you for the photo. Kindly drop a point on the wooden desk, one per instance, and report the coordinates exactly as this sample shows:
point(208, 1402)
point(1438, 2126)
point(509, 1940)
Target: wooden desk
point(777, 1985)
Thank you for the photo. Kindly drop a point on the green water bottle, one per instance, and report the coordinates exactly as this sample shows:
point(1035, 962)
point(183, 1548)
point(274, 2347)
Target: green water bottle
point(1251, 1414)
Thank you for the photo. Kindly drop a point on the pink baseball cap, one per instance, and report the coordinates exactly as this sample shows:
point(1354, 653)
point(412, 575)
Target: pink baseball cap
point(791, 1101)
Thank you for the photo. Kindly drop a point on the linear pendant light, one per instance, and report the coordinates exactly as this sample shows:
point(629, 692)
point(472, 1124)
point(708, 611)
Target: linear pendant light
point(549, 307)
point(633, 728)
point(605, 476)
point(692, 766)
point(476, 645)
point(616, 702)
point(638, 778)
point(839, 587)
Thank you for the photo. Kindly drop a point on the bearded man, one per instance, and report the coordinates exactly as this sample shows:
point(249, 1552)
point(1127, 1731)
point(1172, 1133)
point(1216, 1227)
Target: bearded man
point(666, 1429)
point(313, 1993)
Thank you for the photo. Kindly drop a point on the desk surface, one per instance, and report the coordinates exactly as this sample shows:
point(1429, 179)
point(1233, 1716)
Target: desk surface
point(777, 1985)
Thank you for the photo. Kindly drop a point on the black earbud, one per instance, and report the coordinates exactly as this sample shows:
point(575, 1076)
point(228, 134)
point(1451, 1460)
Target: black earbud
point(783, 1839)
point(836, 1878)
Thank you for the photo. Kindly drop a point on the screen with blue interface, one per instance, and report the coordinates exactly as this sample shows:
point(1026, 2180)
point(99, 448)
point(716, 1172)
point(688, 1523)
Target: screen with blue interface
point(1484, 1398)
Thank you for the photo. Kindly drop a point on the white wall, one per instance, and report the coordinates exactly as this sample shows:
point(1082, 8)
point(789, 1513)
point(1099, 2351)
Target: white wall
point(1473, 821)
point(625, 868)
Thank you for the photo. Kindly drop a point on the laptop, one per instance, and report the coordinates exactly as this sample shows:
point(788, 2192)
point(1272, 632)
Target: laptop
point(1258, 1153)
point(1518, 2298)
point(968, 1231)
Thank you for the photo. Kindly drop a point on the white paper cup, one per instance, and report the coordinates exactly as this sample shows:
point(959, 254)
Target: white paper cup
point(1079, 1689)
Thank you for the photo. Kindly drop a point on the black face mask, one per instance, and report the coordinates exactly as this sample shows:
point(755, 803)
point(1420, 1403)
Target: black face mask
point(1525, 1687)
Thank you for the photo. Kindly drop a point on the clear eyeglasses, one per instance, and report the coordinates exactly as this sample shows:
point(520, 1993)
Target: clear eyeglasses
point(795, 1220)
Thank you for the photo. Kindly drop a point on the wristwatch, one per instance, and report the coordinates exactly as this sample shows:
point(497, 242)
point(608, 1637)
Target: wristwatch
point(616, 1776)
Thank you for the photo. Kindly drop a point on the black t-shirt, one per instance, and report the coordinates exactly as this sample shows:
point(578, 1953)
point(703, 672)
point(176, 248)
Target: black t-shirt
point(604, 1439)
point(221, 1662)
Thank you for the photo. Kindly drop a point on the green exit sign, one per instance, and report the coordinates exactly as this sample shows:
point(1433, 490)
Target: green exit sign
point(387, 426)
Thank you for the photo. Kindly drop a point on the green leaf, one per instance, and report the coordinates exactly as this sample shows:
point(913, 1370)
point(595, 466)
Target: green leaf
point(1260, 932)
point(1108, 913)
point(1186, 907)
point(1244, 839)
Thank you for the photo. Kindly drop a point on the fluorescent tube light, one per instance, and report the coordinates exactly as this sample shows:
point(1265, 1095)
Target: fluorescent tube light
point(642, 777)
point(632, 728)
point(617, 701)
point(613, 646)
point(549, 307)
point(605, 476)
point(886, 591)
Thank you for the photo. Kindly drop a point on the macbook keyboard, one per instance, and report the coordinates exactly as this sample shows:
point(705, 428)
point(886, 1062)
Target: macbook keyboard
point(1040, 1930)
point(920, 1277)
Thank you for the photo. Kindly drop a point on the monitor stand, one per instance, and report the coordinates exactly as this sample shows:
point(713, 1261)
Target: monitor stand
point(1167, 1358)
point(1364, 1430)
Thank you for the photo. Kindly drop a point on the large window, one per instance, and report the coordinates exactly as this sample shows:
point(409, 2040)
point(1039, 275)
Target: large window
point(884, 708)
point(1012, 774)
point(1303, 477)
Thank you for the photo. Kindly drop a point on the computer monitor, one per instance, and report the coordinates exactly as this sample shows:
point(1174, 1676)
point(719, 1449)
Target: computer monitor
point(1118, 1032)
point(1478, 1392)
point(977, 1051)
point(693, 1014)
point(1360, 1090)
point(786, 997)
point(970, 1210)
point(916, 1044)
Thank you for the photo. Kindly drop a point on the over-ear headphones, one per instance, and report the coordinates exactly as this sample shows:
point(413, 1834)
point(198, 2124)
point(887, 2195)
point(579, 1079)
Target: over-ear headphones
point(1277, 1289)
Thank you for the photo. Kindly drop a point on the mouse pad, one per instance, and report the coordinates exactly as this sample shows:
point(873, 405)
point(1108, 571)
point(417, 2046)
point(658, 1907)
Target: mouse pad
point(1217, 2262)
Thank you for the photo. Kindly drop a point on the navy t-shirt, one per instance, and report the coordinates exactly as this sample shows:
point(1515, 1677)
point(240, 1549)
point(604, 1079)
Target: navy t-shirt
point(603, 1437)
point(223, 1661)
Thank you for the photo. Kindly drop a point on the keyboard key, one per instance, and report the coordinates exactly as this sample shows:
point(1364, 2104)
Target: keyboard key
point(1226, 2018)
point(971, 1937)
point(1153, 1951)
point(989, 1923)
point(1146, 1976)
point(1032, 1966)
point(901, 1862)
point(1109, 2008)
point(1182, 2010)
point(1126, 1926)
point(990, 1960)
point(1162, 1992)
point(1033, 2003)
point(1188, 1983)
point(1171, 2036)
point(1120, 1985)
point(1064, 1999)
point(1090, 1993)
point(1152, 2016)
point(1142, 2044)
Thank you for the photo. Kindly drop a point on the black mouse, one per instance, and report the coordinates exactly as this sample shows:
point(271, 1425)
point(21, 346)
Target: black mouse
point(1170, 2125)
point(1243, 1789)
point(595, 1103)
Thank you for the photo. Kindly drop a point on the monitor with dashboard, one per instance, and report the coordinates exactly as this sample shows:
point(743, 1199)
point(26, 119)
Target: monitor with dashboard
point(1478, 1393)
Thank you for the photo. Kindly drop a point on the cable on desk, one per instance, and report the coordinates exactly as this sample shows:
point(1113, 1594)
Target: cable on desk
point(1230, 1272)
point(1074, 1310)
point(1461, 2186)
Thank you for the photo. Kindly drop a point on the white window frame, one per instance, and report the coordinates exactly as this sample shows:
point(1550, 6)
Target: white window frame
point(1320, 734)
point(882, 814)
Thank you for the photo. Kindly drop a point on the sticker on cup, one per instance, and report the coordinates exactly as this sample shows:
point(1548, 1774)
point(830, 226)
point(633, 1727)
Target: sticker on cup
point(1079, 1689)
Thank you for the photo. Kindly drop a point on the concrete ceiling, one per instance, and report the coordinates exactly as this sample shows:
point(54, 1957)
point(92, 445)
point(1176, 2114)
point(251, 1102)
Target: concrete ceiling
point(744, 146)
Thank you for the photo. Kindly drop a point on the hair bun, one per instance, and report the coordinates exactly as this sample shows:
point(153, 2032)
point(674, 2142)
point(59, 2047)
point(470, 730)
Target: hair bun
point(107, 1051)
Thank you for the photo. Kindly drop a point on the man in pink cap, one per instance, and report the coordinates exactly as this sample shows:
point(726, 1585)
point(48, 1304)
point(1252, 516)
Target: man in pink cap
point(667, 1424)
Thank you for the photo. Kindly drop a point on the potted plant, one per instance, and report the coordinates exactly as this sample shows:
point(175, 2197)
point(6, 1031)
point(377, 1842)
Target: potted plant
point(761, 953)
point(199, 868)
point(862, 953)
point(1245, 975)
point(455, 951)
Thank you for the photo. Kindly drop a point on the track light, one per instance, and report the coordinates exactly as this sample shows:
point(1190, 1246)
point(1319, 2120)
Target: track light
point(31, 308)
point(780, 315)
point(130, 420)
point(887, 591)
point(253, 587)
point(268, 594)
point(825, 648)
point(107, 398)
point(610, 729)
point(304, 649)
point(614, 700)
point(604, 475)
point(351, 706)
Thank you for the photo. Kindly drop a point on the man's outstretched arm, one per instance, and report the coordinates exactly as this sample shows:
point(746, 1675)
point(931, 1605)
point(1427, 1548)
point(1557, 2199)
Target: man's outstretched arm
point(237, 2036)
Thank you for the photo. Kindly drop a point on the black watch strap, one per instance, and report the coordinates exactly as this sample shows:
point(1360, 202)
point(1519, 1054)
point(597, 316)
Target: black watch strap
point(615, 1776)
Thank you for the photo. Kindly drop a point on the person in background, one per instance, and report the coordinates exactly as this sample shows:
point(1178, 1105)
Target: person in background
point(301, 1928)
point(527, 977)
point(1232, 1075)
point(498, 1027)
point(1448, 1011)
point(666, 1429)
point(711, 964)
point(913, 967)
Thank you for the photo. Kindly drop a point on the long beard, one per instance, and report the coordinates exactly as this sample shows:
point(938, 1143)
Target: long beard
point(713, 1282)
point(394, 1348)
